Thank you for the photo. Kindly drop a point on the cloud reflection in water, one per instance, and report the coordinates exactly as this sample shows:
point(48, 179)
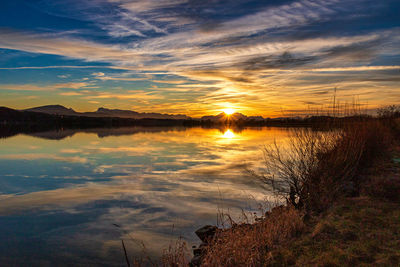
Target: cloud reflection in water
point(154, 185)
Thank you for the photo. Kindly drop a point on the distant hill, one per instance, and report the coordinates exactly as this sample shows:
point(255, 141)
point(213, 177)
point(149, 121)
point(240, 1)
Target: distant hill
point(215, 118)
point(130, 114)
point(54, 109)
point(104, 112)
point(222, 117)
point(59, 118)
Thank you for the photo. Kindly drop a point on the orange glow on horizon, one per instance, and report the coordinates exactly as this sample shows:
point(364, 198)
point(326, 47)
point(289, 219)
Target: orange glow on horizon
point(229, 111)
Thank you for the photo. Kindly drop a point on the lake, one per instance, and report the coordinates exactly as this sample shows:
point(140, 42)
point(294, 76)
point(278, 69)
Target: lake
point(69, 197)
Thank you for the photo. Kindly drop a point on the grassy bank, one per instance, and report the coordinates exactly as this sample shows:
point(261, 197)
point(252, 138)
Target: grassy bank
point(355, 231)
point(342, 189)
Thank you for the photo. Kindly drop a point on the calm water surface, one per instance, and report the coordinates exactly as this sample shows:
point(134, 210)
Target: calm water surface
point(63, 194)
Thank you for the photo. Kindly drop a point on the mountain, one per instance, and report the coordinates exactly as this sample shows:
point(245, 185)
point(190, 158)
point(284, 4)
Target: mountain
point(104, 112)
point(14, 121)
point(255, 118)
point(223, 117)
point(238, 116)
point(129, 114)
point(219, 117)
point(54, 109)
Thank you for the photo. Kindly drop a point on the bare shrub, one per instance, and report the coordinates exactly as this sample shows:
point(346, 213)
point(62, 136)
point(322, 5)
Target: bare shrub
point(392, 111)
point(390, 115)
point(319, 165)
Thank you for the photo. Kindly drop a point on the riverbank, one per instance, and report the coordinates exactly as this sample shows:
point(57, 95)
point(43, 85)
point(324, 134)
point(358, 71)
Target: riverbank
point(343, 206)
point(355, 231)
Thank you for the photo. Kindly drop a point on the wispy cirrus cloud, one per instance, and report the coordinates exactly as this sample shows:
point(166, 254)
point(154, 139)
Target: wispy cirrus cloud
point(52, 87)
point(70, 94)
point(63, 46)
point(122, 77)
point(229, 54)
point(125, 95)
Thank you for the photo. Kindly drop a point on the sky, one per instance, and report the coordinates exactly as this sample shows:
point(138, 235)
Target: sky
point(198, 57)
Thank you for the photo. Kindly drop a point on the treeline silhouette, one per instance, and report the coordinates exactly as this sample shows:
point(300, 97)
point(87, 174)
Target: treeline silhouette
point(14, 121)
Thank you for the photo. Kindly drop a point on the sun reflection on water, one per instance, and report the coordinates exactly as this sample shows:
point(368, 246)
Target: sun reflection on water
point(228, 134)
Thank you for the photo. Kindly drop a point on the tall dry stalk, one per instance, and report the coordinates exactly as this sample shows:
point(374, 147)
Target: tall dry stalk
point(177, 254)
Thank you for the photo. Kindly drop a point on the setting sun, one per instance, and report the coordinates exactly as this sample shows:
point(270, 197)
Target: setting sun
point(229, 111)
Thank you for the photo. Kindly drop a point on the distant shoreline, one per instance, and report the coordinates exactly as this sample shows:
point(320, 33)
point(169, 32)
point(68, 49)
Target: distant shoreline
point(46, 121)
point(13, 122)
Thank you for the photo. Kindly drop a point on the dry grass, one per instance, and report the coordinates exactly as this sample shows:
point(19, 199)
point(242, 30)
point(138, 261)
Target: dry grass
point(354, 232)
point(177, 255)
point(250, 244)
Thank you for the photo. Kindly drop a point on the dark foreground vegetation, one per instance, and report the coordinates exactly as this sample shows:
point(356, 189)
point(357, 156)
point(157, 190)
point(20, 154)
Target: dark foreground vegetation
point(341, 193)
